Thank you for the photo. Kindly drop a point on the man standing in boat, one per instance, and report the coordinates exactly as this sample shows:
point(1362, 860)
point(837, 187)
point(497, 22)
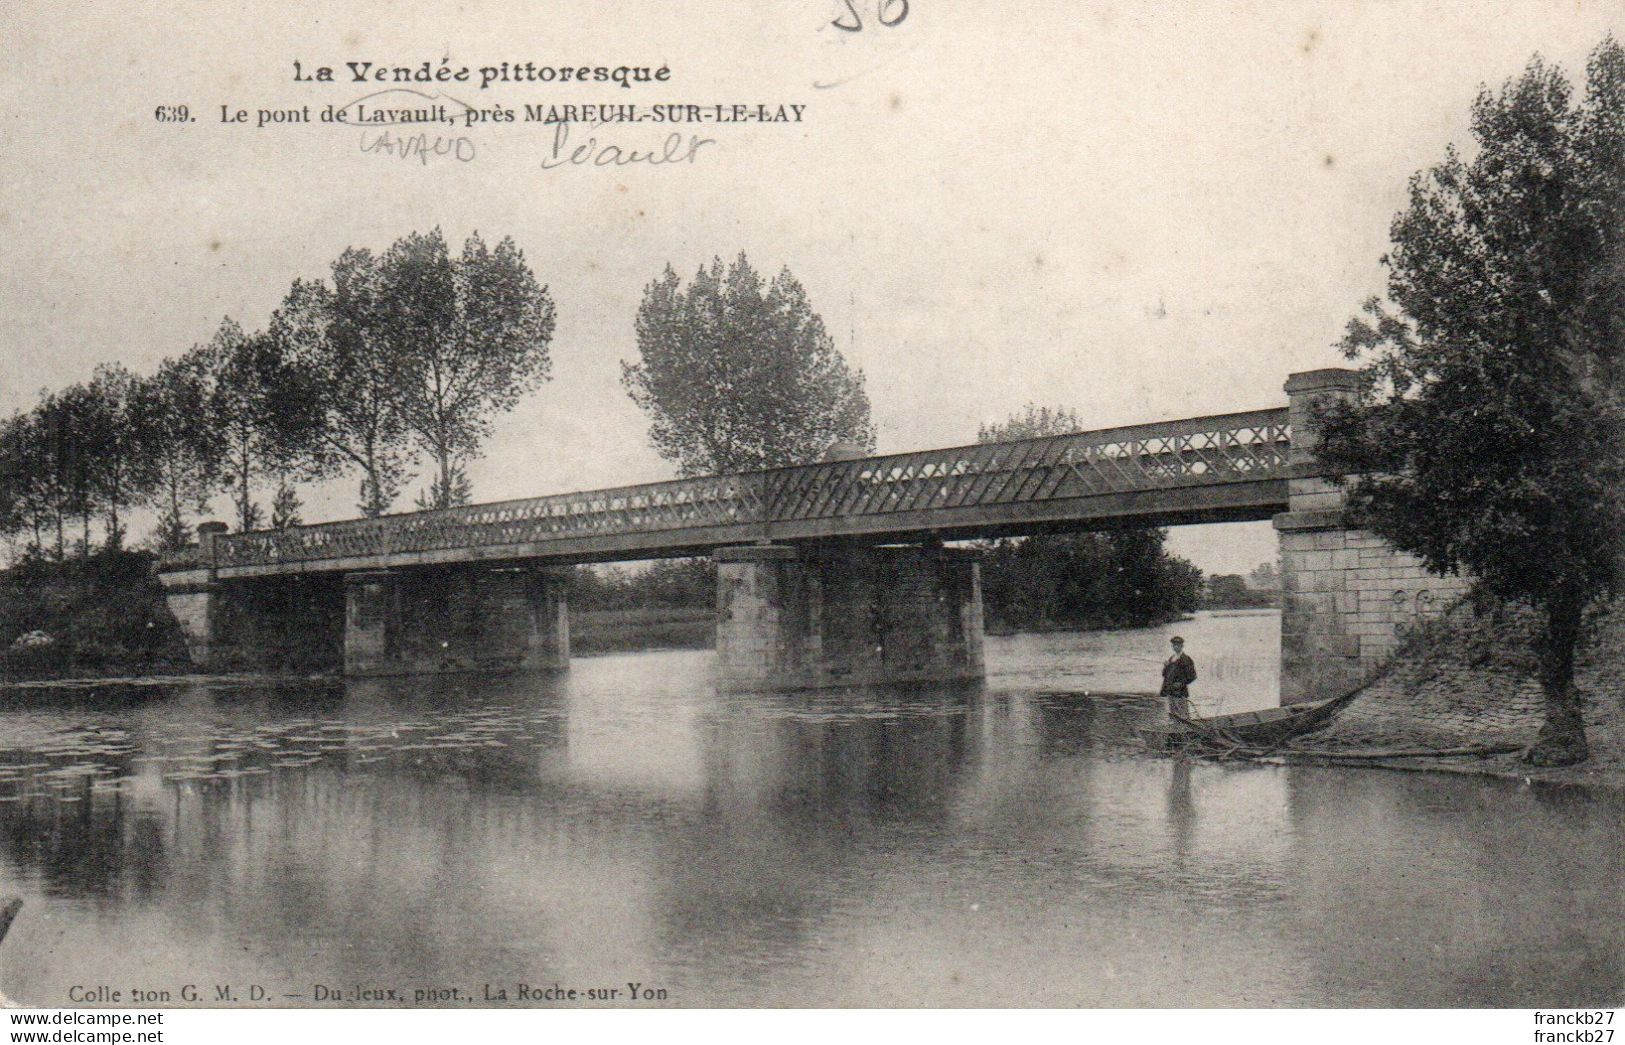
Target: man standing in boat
point(1178, 672)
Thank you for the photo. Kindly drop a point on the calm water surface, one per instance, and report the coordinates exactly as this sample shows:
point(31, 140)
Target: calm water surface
point(1008, 844)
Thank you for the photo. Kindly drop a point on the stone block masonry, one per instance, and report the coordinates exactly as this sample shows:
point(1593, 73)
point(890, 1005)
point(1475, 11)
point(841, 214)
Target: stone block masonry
point(284, 624)
point(452, 619)
point(1347, 596)
point(1340, 622)
point(376, 622)
point(846, 615)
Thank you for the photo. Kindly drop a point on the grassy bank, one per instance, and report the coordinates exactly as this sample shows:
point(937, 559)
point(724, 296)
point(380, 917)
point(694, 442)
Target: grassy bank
point(621, 631)
point(1469, 679)
point(101, 615)
point(1044, 627)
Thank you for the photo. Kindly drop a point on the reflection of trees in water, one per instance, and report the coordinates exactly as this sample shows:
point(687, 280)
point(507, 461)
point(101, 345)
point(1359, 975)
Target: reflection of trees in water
point(1071, 724)
point(350, 869)
point(1181, 811)
point(99, 847)
point(869, 771)
point(282, 848)
point(1066, 726)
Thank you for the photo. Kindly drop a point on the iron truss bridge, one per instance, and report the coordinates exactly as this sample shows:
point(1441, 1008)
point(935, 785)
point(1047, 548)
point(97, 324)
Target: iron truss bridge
point(1206, 469)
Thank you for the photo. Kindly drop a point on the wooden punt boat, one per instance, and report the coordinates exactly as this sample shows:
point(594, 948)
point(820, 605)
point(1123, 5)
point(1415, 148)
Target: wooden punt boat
point(1267, 728)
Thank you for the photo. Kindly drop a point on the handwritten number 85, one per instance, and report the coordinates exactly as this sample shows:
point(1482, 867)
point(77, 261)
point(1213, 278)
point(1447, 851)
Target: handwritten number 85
point(887, 12)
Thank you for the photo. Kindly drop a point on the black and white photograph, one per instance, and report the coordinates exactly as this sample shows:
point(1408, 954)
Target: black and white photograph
point(515, 508)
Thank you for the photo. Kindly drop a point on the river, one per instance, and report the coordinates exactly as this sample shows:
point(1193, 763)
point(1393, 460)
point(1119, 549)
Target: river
point(1009, 844)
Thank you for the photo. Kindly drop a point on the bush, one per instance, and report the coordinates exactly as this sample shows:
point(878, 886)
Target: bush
point(105, 612)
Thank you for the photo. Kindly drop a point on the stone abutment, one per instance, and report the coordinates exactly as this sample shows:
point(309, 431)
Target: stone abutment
point(1347, 595)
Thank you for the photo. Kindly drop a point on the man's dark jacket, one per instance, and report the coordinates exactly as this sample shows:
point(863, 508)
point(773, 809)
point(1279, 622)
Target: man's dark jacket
point(1178, 672)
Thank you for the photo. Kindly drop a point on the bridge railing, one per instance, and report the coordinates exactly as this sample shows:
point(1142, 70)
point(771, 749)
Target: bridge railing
point(1200, 451)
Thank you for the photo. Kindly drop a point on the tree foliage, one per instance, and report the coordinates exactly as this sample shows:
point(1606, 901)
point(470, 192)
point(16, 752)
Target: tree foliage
point(26, 484)
point(738, 375)
point(464, 338)
point(668, 584)
point(1119, 578)
point(186, 458)
point(1033, 422)
point(410, 345)
point(124, 467)
point(83, 449)
point(66, 418)
point(337, 336)
point(1230, 591)
point(1491, 440)
point(265, 415)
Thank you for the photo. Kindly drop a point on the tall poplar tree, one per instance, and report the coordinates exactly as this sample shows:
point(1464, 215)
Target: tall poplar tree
point(466, 337)
point(736, 374)
point(338, 336)
point(123, 450)
point(187, 455)
point(264, 414)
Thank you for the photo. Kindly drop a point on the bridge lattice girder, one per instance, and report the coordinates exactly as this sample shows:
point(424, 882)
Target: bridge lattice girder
point(1227, 466)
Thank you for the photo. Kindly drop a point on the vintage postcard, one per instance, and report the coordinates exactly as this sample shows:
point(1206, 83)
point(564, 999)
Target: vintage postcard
point(824, 503)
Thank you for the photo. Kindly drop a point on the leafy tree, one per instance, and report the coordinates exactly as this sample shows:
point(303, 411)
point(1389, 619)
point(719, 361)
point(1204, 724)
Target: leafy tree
point(465, 338)
point(1033, 422)
point(1120, 578)
point(38, 456)
point(187, 456)
point(669, 583)
point(263, 412)
point(737, 376)
point(23, 506)
point(1145, 584)
point(1230, 591)
point(1264, 578)
point(65, 456)
point(123, 453)
point(338, 336)
point(18, 480)
point(286, 507)
point(445, 490)
point(1492, 437)
point(82, 450)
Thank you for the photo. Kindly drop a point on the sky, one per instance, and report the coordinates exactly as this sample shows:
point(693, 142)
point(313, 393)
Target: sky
point(1136, 211)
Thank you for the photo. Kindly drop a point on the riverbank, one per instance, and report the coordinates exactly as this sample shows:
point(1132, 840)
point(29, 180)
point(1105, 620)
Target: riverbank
point(1001, 630)
point(92, 617)
point(1469, 680)
point(650, 628)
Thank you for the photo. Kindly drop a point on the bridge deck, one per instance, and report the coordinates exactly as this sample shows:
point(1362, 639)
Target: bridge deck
point(1230, 466)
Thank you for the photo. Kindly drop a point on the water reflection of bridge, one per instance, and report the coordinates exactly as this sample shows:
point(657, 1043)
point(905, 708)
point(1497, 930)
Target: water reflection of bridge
point(829, 574)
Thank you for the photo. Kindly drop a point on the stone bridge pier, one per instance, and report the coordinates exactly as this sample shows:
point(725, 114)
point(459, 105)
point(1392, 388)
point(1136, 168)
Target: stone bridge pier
point(845, 614)
point(459, 618)
point(1347, 595)
point(375, 622)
